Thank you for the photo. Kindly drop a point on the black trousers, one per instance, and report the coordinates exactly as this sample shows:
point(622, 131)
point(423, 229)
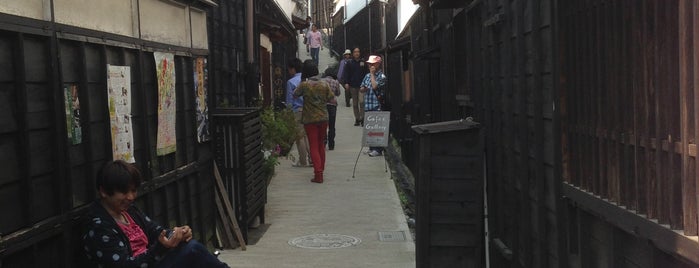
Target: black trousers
point(332, 114)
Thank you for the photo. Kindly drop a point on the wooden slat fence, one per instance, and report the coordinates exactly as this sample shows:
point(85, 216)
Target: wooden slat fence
point(630, 122)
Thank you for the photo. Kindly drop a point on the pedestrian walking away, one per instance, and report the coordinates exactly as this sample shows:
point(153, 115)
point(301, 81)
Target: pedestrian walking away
point(346, 57)
point(316, 94)
point(373, 87)
point(332, 108)
point(306, 33)
point(296, 105)
point(355, 70)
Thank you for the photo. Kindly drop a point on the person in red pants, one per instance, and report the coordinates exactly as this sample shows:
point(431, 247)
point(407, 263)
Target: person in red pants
point(316, 93)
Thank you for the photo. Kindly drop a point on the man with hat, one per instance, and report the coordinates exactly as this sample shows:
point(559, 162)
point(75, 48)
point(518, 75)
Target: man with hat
point(354, 72)
point(373, 88)
point(346, 57)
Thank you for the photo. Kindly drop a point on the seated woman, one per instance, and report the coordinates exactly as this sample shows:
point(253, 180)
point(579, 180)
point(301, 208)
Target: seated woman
point(119, 235)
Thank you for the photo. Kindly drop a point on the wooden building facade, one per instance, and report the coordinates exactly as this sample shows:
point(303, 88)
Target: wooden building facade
point(589, 116)
point(48, 180)
point(369, 30)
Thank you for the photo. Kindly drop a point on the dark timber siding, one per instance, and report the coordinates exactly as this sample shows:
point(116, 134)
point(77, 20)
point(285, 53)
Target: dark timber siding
point(590, 119)
point(509, 77)
point(46, 181)
point(228, 61)
point(629, 136)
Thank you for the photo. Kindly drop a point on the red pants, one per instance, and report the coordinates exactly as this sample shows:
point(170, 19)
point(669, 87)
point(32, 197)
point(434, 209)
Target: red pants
point(316, 133)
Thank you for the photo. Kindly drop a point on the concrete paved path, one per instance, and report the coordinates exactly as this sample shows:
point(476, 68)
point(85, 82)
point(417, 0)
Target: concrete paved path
point(359, 207)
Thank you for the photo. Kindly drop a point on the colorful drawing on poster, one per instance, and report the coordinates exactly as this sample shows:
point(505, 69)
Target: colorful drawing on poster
point(167, 108)
point(200, 91)
point(72, 103)
point(119, 97)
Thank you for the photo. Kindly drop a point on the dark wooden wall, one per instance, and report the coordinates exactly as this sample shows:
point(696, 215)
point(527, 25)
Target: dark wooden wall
point(46, 181)
point(590, 119)
point(338, 33)
point(629, 119)
point(509, 58)
point(230, 73)
point(493, 60)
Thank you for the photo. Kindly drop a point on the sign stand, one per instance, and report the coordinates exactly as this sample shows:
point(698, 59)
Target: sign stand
point(375, 134)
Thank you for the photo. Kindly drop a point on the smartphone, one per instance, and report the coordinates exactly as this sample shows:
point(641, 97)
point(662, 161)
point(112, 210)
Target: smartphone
point(169, 233)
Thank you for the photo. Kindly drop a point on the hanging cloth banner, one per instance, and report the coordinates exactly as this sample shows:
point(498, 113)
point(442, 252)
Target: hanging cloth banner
point(167, 108)
point(119, 99)
point(200, 91)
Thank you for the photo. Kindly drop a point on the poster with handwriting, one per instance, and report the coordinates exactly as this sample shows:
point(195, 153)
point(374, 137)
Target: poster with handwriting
point(200, 92)
point(119, 99)
point(376, 126)
point(167, 108)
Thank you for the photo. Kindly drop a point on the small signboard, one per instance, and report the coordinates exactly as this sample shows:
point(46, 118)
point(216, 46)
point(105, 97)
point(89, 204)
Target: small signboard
point(376, 129)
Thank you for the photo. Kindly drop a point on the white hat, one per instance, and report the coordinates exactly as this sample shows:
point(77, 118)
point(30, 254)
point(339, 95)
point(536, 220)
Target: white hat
point(347, 51)
point(374, 59)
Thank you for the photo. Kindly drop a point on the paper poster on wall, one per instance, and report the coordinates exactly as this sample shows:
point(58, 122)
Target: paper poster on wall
point(167, 108)
point(72, 103)
point(200, 91)
point(119, 95)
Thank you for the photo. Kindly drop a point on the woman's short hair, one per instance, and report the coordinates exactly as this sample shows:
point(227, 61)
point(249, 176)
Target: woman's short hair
point(310, 69)
point(118, 176)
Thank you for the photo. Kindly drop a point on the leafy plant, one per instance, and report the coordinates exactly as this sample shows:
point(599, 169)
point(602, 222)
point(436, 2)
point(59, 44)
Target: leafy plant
point(279, 131)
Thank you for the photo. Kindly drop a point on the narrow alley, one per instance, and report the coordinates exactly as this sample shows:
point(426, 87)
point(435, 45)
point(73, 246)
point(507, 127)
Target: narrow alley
point(363, 207)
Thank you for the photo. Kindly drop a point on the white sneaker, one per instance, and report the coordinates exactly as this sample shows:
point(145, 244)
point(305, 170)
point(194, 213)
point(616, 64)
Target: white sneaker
point(374, 153)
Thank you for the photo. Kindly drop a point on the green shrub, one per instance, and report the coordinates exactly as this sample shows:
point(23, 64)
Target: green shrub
point(279, 132)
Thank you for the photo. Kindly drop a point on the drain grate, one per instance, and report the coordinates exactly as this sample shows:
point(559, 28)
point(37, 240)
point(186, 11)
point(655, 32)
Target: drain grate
point(392, 236)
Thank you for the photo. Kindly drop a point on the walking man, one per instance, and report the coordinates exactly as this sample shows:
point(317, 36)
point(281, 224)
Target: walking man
point(354, 73)
point(306, 33)
point(296, 105)
point(332, 108)
point(347, 56)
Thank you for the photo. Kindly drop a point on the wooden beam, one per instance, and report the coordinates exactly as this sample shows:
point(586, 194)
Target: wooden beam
point(637, 225)
point(228, 238)
point(686, 77)
point(221, 193)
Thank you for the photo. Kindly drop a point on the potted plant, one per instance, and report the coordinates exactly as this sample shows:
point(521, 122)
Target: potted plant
point(279, 132)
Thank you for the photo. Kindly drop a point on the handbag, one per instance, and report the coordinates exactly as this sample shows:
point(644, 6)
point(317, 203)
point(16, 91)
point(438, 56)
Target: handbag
point(383, 103)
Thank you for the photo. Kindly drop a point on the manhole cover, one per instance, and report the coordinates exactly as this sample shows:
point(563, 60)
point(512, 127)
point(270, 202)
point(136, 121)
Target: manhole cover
point(392, 236)
point(325, 241)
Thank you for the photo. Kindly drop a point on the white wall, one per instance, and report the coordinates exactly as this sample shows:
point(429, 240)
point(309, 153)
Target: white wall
point(287, 6)
point(102, 15)
point(200, 36)
point(266, 43)
point(161, 21)
point(406, 9)
point(353, 7)
point(164, 22)
point(25, 8)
